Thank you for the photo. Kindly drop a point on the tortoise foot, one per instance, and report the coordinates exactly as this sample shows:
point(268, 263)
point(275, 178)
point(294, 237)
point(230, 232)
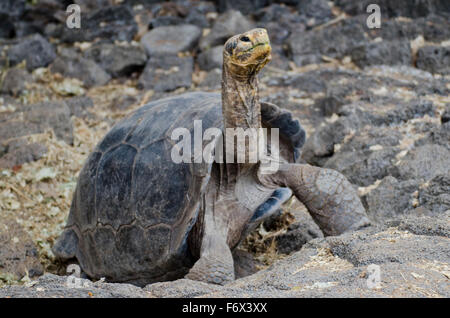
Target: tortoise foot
point(212, 270)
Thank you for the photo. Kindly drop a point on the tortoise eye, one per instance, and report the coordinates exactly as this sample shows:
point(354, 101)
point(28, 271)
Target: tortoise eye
point(245, 39)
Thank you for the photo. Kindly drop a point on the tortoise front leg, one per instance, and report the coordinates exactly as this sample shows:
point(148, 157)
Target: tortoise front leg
point(328, 195)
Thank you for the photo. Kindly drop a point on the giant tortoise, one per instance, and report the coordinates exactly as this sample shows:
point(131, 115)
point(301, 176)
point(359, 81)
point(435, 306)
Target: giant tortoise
point(139, 217)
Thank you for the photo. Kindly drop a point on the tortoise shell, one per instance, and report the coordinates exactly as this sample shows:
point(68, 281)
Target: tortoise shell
point(133, 207)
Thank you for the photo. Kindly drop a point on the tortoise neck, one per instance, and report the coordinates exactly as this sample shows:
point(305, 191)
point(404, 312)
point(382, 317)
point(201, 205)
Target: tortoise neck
point(240, 101)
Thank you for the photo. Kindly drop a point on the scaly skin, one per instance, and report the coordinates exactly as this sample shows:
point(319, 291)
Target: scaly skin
point(328, 195)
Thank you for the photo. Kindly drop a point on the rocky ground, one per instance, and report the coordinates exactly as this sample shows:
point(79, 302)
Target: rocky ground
point(375, 104)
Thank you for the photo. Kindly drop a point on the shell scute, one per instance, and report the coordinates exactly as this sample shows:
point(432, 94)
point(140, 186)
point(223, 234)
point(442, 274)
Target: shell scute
point(159, 185)
point(113, 186)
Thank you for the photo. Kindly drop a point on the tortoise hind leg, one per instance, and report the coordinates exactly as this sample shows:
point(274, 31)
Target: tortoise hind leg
point(215, 264)
point(66, 245)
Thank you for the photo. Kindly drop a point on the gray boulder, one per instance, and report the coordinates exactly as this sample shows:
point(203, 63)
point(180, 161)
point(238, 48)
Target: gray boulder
point(246, 7)
point(89, 72)
point(17, 152)
point(111, 22)
point(410, 265)
point(435, 196)
point(117, 60)
point(211, 58)
point(228, 24)
point(334, 41)
point(212, 80)
point(404, 8)
point(18, 253)
point(50, 285)
point(424, 163)
point(435, 59)
point(318, 10)
point(170, 40)
point(36, 118)
point(35, 50)
point(167, 73)
point(391, 199)
point(384, 52)
point(15, 81)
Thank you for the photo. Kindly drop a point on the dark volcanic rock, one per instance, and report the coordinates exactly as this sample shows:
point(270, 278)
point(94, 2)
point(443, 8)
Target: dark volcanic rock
point(197, 13)
point(363, 167)
point(109, 22)
point(39, 14)
point(331, 103)
point(390, 199)
point(211, 58)
point(320, 145)
point(79, 106)
point(274, 13)
point(437, 135)
point(185, 288)
point(445, 118)
point(404, 8)
point(280, 21)
point(7, 29)
point(13, 8)
point(89, 72)
point(37, 118)
point(308, 82)
point(15, 81)
point(353, 117)
point(92, 5)
point(334, 41)
point(297, 235)
point(436, 195)
point(384, 52)
point(366, 156)
point(212, 80)
point(162, 21)
point(319, 10)
point(53, 115)
point(11, 12)
point(390, 114)
point(425, 225)
point(117, 60)
point(35, 50)
point(226, 25)
point(411, 265)
point(171, 40)
point(424, 162)
point(18, 253)
point(18, 152)
point(182, 12)
point(246, 7)
point(50, 285)
point(359, 248)
point(433, 28)
point(122, 102)
point(435, 59)
point(167, 73)
point(279, 32)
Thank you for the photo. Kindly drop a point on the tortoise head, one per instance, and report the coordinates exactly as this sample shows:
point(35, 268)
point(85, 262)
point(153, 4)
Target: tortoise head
point(244, 55)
